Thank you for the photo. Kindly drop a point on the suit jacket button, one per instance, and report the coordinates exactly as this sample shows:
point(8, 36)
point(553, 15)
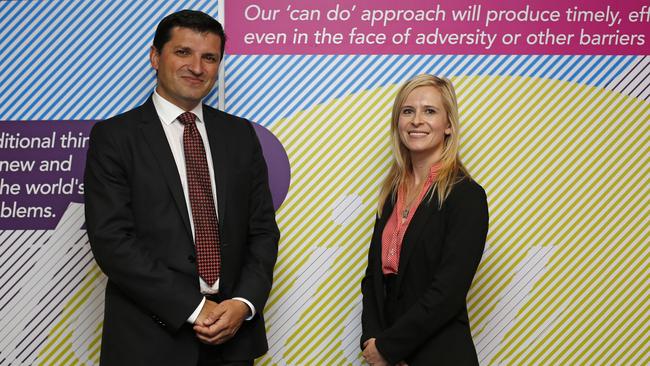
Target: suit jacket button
point(191, 258)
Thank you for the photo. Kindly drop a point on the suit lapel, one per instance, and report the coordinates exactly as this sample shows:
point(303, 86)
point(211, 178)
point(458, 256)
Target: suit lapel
point(218, 150)
point(155, 137)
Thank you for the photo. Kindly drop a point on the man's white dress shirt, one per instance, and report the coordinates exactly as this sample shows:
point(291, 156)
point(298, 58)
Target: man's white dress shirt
point(168, 114)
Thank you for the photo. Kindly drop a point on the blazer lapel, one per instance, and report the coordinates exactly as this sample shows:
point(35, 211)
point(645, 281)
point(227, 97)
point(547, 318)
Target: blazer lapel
point(218, 150)
point(155, 137)
point(379, 275)
point(413, 233)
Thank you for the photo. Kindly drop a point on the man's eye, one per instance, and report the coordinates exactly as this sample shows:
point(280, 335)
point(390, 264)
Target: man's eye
point(182, 52)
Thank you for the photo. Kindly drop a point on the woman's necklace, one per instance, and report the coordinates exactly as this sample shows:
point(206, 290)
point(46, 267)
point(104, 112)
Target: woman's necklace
point(415, 191)
point(411, 196)
point(405, 213)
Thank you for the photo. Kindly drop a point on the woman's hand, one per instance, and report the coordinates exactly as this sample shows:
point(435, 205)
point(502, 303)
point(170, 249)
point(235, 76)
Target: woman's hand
point(371, 354)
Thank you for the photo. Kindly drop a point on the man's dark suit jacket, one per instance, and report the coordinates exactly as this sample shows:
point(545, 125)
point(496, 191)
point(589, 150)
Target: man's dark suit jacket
point(440, 253)
point(139, 230)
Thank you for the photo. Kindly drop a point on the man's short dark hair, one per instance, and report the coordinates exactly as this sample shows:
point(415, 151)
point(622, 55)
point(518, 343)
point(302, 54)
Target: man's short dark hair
point(195, 20)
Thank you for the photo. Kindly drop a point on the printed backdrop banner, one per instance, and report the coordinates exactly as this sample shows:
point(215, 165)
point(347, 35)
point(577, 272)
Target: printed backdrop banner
point(555, 124)
point(446, 27)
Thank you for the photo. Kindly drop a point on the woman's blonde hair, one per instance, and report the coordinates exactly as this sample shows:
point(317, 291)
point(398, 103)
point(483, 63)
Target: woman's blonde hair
point(451, 170)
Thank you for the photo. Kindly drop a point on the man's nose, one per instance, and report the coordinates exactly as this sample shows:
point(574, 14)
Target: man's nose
point(195, 65)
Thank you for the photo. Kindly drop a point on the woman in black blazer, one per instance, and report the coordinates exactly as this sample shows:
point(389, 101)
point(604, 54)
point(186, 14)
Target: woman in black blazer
point(428, 238)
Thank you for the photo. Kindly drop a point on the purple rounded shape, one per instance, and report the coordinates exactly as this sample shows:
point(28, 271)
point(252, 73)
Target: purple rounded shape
point(277, 162)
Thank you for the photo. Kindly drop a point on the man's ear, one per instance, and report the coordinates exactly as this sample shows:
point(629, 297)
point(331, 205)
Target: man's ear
point(154, 57)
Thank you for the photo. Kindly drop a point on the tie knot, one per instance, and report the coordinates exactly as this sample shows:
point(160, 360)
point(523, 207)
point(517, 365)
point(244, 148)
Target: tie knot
point(187, 118)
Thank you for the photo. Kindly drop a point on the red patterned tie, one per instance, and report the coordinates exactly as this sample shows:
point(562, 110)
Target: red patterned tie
point(206, 225)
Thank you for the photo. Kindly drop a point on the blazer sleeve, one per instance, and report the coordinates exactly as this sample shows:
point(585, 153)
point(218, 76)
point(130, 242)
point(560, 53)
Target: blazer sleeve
point(370, 317)
point(256, 276)
point(110, 222)
point(464, 241)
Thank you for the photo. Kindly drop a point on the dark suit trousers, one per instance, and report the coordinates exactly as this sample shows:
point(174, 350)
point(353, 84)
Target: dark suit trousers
point(211, 356)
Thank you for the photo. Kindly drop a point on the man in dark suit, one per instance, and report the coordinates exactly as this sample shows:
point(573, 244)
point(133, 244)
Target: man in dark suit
point(179, 215)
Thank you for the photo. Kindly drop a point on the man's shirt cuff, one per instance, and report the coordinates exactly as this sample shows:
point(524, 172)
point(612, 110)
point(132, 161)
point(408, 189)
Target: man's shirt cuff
point(196, 312)
point(249, 305)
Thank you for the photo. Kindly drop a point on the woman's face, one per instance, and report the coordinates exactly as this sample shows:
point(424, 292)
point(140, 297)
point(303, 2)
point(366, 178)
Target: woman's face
point(423, 123)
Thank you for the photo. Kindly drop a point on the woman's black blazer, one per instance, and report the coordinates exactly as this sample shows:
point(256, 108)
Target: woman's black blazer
point(441, 250)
